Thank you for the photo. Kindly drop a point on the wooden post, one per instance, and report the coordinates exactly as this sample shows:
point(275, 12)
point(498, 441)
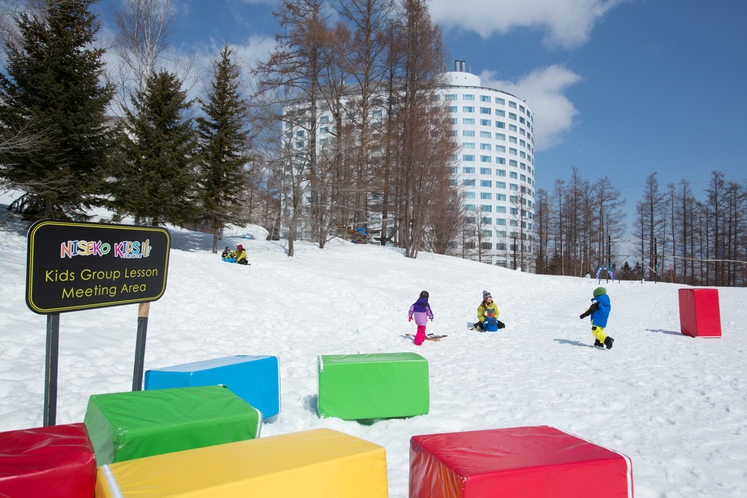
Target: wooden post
point(142, 329)
point(50, 378)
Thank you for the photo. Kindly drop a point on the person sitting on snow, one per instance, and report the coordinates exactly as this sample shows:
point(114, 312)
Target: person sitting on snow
point(599, 310)
point(226, 253)
point(482, 313)
point(240, 255)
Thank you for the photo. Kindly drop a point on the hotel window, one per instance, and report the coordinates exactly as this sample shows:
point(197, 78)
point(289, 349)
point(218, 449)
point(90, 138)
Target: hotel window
point(299, 133)
point(501, 185)
point(324, 119)
point(454, 133)
point(499, 112)
point(485, 134)
point(511, 115)
point(522, 143)
point(500, 172)
point(468, 145)
point(514, 223)
point(468, 97)
point(486, 147)
point(512, 104)
point(468, 133)
point(513, 140)
point(513, 186)
point(377, 113)
point(486, 195)
point(322, 141)
point(484, 122)
point(500, 160)
point(500, 148)
point(486, 183)
point(484, 159)
point(486, 208)
point(484, 98)
point(451, 96)
point(487, 221)
point(514, 175)
point(299, 145)
point(523, 178)
point(500, 197)
point(468, 121)
point(453, 120)
point(454, 170)
point(521, 131)
point(499, 100)
point(522, 155)
point(469, 195)
point(469, 207)
point(500, 136)
point(512, 128)
point(521, 120)
point(469, 183)
point(500, 209)
point(468, 108)
point(514, 211)
point(522, 166)
point(486, 171)
point(513, 151)
point(521, 108)
point(484, 110)
point(500, 221)
point(500, 124)
point(469, 170)
point(453, 108)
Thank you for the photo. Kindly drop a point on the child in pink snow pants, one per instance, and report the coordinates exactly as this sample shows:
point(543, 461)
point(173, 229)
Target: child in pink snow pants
point(421, 310)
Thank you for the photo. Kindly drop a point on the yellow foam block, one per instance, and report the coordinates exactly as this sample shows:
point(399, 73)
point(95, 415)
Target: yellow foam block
point(318, 463)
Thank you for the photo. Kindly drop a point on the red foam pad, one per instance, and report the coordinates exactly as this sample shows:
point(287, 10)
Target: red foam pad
point(47, 461)
point(700, 315)
point(531, 462)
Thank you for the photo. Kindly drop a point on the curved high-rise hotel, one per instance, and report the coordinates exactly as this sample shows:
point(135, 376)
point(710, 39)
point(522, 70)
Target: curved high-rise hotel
point(494, 168)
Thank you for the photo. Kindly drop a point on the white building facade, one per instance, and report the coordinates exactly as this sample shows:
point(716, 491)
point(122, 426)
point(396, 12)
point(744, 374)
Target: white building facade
point(494, 168)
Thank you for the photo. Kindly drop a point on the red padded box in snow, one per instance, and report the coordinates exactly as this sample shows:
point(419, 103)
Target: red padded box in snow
point(526, 462)
point(47, 461)
point(700, 315)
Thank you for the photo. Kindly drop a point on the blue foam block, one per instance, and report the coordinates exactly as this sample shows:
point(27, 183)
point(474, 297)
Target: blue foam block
point(255, 379)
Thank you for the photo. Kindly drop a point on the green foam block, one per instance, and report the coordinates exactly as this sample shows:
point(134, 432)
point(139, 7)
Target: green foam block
point(124, 426)
point(368, 386)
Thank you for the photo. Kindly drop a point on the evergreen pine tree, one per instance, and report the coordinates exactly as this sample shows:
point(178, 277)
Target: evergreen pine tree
point(223, 143)
point(51, 90)
point(156, 180)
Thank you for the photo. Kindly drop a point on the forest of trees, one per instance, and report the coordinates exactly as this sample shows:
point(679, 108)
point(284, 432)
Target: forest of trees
point(675, 238)
point(77, 133)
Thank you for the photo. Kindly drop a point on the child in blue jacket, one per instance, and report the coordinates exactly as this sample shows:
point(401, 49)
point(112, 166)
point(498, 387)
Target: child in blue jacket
point(600, 311)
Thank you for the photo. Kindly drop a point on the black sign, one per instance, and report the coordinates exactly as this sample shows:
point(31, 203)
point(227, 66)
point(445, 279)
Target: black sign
point(74, 266)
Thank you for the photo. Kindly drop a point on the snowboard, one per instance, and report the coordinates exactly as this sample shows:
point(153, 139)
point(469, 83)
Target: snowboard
point(428, 337)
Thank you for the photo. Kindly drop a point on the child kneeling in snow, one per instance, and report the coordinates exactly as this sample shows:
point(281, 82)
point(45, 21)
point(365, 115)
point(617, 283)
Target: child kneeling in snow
point(599, 310)
point(421, 310)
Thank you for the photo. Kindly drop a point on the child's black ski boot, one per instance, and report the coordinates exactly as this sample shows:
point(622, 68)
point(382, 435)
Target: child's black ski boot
point(598, 344)
point(608, 342)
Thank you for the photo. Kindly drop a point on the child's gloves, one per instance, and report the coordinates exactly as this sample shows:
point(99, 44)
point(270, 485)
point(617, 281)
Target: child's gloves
point(409, 318)
point(584, 315)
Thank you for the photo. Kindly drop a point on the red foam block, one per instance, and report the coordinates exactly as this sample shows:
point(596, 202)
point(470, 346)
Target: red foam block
point(700, 315)
point(530, 462)
point(47, 461)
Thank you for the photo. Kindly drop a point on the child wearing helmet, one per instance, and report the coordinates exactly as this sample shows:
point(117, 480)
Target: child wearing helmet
point(600, 311)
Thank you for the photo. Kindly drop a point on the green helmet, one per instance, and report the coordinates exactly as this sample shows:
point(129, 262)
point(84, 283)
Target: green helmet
point(599, 291)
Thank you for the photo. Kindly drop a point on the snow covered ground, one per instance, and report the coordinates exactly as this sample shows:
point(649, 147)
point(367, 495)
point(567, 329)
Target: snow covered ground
point(677, 406)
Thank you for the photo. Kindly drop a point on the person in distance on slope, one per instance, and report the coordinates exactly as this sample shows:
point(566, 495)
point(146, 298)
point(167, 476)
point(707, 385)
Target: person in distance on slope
point(482, 312)
point(600, 311)
point(421, 311)
point(240, 255)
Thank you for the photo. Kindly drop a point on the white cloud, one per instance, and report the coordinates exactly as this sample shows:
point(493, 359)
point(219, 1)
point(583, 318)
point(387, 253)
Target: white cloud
point(567, 23)
point(543, 89)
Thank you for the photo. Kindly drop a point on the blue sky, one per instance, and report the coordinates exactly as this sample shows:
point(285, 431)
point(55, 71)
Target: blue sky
point(620, 88)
